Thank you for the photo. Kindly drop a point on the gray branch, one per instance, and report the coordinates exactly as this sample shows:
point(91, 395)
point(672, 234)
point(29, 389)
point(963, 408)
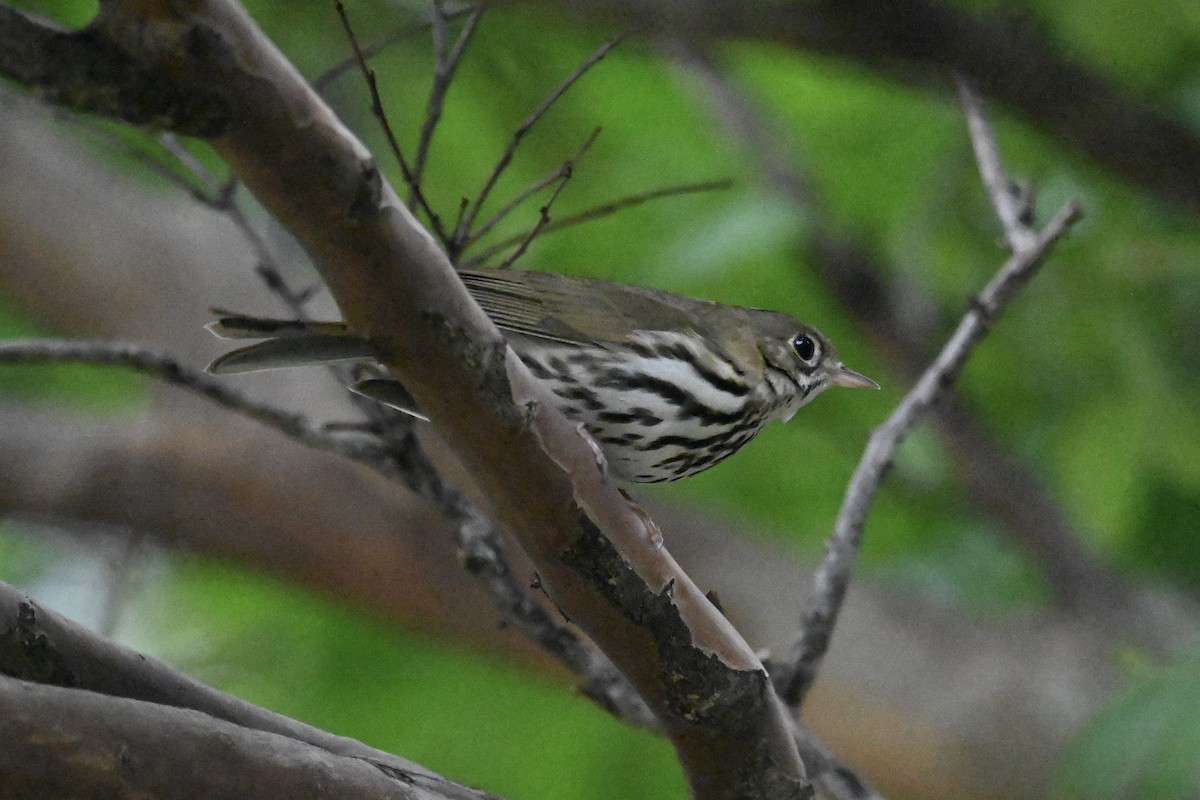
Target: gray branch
point(795, 676)
point(362, 447)
point(87, 72)
point(38, 645)
point(883, 307)
point(477, 539)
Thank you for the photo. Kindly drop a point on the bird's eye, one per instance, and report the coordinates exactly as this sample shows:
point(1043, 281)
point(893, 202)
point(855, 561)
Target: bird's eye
point(805, 347)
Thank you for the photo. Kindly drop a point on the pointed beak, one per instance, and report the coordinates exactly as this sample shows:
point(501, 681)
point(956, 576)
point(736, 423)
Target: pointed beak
point(842, 376)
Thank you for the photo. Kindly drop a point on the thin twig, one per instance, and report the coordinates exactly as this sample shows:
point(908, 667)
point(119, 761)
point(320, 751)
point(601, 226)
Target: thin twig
point(542, 222)
point(358, 447)
point(377, 109)
point(397, 457)
point(468, 218)
point(370, 51)
point(170, 142)
point(446, 61)
point(596, 212)
point(224, 200)
point(1012, 205)
point(152, 162)
point(900, 317)
point(794, 677)
point(529, 191)
point(268, 268)
point(218, 195)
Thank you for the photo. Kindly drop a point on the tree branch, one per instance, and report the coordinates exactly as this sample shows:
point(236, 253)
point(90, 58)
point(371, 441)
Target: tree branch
point(592, 550)
point(365, 448)
point(401, 461)
point(446, 60)
point(87, 72)
point(38, 645)
point(127, 748)
point(882, 307)
point(832, 578)
point(1012, 206)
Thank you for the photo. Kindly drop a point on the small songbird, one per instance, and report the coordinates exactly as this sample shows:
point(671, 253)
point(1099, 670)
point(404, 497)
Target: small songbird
point(666, 384)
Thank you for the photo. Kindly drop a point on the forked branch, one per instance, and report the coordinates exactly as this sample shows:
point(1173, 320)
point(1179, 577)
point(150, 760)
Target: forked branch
point(888, 310)
point(406, 170)
point(462, 231)
point(794, 676)
point(446, 58)
point(594, 213)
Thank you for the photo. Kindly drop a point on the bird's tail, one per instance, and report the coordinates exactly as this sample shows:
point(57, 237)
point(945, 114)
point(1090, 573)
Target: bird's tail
point(285, 343)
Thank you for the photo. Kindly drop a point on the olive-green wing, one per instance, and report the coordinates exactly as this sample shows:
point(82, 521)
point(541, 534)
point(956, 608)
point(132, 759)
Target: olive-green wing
point(573, 310)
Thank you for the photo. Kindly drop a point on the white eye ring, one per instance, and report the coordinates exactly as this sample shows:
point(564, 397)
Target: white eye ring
point(806, 349)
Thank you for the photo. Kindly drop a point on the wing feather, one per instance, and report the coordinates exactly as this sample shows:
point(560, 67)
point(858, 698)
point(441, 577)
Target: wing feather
point(573, 310)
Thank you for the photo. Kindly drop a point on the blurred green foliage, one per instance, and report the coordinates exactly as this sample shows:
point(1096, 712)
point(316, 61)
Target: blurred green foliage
point(453, 711)
point(1144, 744)
point(1092, 378)
point(67, 385)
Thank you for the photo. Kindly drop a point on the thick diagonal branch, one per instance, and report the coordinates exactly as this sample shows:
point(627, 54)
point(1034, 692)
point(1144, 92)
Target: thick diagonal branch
point(396, 287)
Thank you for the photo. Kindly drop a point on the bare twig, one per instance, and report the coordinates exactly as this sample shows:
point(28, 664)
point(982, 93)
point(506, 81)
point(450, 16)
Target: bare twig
point(381, 115)
point(170, 142)
point(535, 187)
point(403, 461)
point(151, 161)
point(543, 218)
point(468, 218)
point(446, 59)
point(359, 447)
point(833, 576)
point(596, 212)
point(268, 268)
point(370, 51)
point(1029, 249)
point(218, 194)
point(1011, 203)
point(888, 309)
point(223, 198)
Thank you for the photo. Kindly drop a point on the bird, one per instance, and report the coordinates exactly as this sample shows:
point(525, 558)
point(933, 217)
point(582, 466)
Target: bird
point(666, 384)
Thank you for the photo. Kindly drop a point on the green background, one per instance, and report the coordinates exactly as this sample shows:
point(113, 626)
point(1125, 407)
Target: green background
point(1091, 378)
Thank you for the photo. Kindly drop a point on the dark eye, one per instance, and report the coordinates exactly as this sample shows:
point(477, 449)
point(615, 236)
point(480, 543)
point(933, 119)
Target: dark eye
point(805, 347)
